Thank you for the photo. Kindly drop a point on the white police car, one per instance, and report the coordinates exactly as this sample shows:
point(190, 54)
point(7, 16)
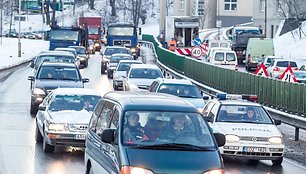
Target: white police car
point(250, 131)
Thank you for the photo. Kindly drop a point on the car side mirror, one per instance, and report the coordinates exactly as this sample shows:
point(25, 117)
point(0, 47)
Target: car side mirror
point(85, 80)
point(206, 97)
point(277, 122)
point(209, 119)
point(41, 108)
point(32, 64)
point(220, 138)
point(31, 78)
point(108, 136)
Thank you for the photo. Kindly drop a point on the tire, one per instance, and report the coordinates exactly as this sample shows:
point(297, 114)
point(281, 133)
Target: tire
point(33, 109)
point(47, 148)
point(86, 63)
point(115, 87)
point(277, 162)
point(102, 70)
point(38, 136)
point(89, 170)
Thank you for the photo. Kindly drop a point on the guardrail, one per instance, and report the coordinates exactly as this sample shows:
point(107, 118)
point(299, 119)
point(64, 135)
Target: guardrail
point(174, 65)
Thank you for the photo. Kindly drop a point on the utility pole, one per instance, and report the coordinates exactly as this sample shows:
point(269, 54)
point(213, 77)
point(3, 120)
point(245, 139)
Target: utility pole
point(19, 43)
point(266, 14)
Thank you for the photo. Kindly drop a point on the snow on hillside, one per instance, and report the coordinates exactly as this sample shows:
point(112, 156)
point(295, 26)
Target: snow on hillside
point(290, 46)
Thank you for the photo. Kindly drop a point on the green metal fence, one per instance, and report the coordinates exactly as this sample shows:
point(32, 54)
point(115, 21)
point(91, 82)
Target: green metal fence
point(285, 96)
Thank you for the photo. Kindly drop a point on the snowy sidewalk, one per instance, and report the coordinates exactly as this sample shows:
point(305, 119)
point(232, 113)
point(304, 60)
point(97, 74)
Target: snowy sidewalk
point(29, 49)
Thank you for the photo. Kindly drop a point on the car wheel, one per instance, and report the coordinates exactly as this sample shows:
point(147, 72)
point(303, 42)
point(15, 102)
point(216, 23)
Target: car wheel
point(38, 136)
point(102, 70)
point(86, 63)
point(277, 162)
point(89, 170)
point(47, 148)
point(33, 109)
point(115, 87)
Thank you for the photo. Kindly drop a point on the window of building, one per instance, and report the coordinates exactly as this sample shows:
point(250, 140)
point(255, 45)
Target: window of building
point(230, 5)
point(201, 7)
point(262, 5)
point(182, 5)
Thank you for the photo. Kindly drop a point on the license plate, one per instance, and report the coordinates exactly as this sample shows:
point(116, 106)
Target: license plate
point(80, 136)
point(254, 149)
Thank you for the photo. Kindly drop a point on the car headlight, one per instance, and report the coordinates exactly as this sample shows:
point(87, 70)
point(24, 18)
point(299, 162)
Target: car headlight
point(91, 48)
point(217, 171)
point(38, 91)
point(275, 140)
point(96, 44)
point(133, 49)
point(134, 170)
point(232, 138)
point(57, 127)
point(132, 86)
point(82, 58)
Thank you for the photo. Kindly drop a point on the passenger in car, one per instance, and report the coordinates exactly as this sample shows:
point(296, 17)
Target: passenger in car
point(132, 129)
point(154, 126)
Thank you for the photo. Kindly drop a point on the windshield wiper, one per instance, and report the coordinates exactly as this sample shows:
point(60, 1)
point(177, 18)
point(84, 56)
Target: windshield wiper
point(175, 146)
point(66, 79)
point(185, 96)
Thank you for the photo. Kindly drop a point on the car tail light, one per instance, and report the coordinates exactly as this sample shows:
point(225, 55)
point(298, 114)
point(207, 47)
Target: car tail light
point(276, 69)
point(249, 57)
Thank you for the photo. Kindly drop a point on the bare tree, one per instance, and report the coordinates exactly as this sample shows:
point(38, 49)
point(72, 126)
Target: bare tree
point(294, 9)
point(91, 4)
point(113, 6)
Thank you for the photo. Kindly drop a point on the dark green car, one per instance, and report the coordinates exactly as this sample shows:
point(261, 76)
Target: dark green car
point(142, 132)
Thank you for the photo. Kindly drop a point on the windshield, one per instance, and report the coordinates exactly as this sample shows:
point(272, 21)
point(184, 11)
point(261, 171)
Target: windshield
point(189, 91)
point(74, 102)
point(69, 35)
point(110, 51)
point(125, 66)
point(151, 128)
point(243, 113)
point(80, 50)
point(242, 31)
point(285, 64)
point(116, 59)
point(93, 30)
point(58, 73)
point(67, 50)
point(53, 58)
point(145, 73)
point(121, 31)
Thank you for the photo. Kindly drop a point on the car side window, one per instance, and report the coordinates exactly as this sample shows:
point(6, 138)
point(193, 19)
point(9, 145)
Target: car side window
point(95, 114)
point(153, 86)
point(115, 118)
point(207, 108)
point(213, 111)
point(104, 118)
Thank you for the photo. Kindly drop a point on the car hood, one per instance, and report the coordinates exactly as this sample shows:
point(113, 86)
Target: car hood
point(53, 84)
point(248, 129)
point(174, 161)
point(119, 74)
point(197, 102)
point(70, 116)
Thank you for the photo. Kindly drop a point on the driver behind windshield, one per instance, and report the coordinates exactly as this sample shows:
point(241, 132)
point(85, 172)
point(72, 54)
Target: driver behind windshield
point(177, 127)
point(132, 129)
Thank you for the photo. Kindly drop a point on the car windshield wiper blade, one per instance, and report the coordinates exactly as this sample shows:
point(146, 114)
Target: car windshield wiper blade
point(174, 146)
point(185, 96)
point(66, 79)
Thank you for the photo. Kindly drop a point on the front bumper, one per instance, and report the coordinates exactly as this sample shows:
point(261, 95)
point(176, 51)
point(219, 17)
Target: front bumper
point(253, 151)
point(75, 139)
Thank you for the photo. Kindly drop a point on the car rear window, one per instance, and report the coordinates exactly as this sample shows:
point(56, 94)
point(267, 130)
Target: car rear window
point(285, 64)
point(230, 57)
point(219, 57)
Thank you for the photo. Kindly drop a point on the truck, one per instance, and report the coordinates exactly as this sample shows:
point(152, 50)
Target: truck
point(124, 34)
point(239, 37)
point(63, 37)
point(182, 28)
point(94, 27)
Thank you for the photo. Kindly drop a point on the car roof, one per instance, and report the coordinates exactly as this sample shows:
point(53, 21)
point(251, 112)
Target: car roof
point(59, 53)
point(143, 100)
point(130, 61)
point(115, 47)
point(284, 60)
point(76, 47)
point(58, 64)
point(121, 54)
point(224, 50)
point(75, 91)
point(174, 81)
point(144, 66)
point(65, 49)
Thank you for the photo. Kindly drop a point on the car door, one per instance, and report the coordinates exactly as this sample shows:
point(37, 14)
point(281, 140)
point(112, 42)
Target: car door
point(42, 115)
point(96, 148)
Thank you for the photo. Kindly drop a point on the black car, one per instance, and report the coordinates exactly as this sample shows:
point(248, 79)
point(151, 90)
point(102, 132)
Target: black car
point(52, 75)
point(82, 55)
point(107, 53)
point(150, 133)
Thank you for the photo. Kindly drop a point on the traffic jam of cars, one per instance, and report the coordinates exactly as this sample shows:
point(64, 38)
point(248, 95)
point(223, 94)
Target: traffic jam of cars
point(167, 120)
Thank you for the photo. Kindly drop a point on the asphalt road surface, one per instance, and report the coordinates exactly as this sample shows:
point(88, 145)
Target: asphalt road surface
point(19, 153)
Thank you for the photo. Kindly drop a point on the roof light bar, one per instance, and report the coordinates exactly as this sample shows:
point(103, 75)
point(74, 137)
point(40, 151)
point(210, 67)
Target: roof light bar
point(224, 96)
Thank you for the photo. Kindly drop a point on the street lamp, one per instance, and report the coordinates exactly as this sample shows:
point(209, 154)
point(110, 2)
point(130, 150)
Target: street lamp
point(19, 43)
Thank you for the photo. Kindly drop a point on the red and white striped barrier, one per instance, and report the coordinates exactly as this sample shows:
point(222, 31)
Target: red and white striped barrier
point(184, 51)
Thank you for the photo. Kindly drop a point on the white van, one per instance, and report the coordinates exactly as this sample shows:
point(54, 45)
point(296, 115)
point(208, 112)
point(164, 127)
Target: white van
point(224, 58)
